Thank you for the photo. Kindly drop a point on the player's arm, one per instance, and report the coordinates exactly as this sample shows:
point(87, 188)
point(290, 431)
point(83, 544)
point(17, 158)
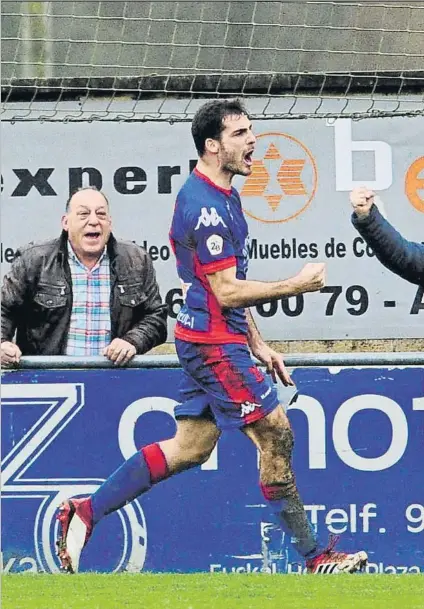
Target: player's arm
point(232, 292)
point(254, 338)
point(273, 361)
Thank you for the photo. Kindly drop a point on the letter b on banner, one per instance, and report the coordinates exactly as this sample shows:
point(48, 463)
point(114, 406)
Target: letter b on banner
point(345, 146)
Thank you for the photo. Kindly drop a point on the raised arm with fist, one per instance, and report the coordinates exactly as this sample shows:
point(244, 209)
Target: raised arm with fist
point(362, 200)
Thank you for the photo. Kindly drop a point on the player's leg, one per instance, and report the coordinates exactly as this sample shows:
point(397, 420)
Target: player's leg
point(242, 397)
point(273, 437)
point(192, 445)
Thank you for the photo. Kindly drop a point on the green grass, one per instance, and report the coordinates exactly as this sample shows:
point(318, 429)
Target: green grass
point(212, 591)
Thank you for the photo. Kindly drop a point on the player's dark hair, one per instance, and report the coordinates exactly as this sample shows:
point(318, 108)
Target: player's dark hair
point(208, 122)
point(85, 188)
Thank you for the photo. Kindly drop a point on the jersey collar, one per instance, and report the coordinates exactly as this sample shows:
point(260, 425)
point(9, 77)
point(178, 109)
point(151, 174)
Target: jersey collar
point(202, 176)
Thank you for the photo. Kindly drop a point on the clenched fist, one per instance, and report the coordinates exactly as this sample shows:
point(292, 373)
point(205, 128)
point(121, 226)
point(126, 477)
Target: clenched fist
point(311, 278)
point(362, 200)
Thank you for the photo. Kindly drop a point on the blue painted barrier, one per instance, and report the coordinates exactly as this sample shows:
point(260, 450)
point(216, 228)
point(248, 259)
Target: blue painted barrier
point(358, 460)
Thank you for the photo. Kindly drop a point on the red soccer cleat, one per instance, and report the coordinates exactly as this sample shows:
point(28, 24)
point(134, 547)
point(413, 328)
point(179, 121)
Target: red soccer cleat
point(336, 562)
point(76, 522)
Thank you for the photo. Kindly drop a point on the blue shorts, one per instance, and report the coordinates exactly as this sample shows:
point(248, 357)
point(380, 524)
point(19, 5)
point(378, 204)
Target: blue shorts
point(223, 384)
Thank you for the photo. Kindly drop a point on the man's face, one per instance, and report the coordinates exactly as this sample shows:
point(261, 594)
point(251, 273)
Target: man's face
point(236, 145)
point(87, 223)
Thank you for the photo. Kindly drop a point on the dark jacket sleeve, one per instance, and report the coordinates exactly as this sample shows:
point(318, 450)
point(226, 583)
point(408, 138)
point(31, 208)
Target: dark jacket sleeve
point(405, 258)
point(13, 295)
point(151, 330)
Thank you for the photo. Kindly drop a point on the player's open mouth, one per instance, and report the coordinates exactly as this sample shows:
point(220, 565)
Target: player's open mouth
point(248, 158)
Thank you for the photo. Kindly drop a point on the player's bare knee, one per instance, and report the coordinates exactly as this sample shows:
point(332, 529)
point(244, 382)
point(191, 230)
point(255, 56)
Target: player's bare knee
point(192, 457)
point(285, 442)
point(276, 467)
point(193, 452)
point(202, 454)
point(280, 438)
point(278, 442)
point(272, 433)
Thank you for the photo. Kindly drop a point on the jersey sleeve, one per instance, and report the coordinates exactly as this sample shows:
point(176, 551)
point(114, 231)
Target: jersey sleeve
point(213, 240)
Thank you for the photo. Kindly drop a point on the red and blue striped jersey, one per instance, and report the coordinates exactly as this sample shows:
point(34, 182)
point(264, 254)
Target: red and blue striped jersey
point(208, 233)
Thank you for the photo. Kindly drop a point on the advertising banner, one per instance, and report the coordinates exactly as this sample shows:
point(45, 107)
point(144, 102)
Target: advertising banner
point(358, 460)
point(296, 203)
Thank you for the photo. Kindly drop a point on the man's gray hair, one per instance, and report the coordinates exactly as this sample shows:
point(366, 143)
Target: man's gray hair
point(86, 188)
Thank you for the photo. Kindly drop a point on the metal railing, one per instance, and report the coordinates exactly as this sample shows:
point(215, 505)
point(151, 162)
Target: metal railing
point(49, 362)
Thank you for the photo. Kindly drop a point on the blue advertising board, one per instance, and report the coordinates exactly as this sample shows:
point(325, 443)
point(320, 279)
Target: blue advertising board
point(358, 458)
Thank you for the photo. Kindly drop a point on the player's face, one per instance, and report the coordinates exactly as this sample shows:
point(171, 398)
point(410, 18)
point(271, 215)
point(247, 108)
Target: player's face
point(87, 223)
point(237, 144)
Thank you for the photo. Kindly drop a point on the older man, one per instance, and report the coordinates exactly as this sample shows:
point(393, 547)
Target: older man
point(84, 293)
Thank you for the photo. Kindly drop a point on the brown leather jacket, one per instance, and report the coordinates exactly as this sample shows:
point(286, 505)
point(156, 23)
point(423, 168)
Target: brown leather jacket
point(36, 298)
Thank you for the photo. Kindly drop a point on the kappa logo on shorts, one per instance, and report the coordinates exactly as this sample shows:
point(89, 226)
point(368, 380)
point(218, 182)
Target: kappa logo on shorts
point(248, 408)
point(209, 218)
point(283, 181)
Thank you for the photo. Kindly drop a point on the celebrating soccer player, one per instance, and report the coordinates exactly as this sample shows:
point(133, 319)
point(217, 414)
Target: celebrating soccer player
point(222, 388)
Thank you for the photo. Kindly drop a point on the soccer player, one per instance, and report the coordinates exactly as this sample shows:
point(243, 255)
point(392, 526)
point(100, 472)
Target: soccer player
point(221, 388)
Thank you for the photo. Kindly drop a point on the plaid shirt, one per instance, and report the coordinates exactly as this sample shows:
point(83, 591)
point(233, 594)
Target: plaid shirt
point(90, 329)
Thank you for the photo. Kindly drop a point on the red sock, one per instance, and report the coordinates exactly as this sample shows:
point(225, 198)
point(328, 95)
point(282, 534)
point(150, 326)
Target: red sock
point(271, 493)
point(156, 462)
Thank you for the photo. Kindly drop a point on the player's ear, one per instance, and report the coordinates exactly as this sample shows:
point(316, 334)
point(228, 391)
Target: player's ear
point(212, 145)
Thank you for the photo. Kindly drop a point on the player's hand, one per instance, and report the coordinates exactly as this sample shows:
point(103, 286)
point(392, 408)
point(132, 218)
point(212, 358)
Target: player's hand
point(362, 200)
point(311, 278)
point(119, 351)
point(274, 364)
point(10, 354)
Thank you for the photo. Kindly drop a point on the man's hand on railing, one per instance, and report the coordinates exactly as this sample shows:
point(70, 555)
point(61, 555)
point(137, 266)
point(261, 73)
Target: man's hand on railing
point(120, 352)
point(10, 354)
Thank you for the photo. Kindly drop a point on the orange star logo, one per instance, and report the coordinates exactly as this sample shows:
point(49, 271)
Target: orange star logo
point(283, 182)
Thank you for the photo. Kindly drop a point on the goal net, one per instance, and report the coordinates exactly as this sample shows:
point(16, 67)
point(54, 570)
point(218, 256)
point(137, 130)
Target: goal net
point(154, 60)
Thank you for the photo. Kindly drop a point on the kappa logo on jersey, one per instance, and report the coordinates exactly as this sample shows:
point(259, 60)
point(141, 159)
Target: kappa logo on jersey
point(283, 180)
point(248, 408)
point(215, 244)
point(209, 218)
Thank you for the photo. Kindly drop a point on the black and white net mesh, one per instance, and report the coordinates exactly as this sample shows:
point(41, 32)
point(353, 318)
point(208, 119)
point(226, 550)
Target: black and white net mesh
point(155, 60)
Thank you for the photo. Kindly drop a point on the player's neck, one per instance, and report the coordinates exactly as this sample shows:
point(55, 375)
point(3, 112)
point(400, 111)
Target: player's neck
point(215, 174)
